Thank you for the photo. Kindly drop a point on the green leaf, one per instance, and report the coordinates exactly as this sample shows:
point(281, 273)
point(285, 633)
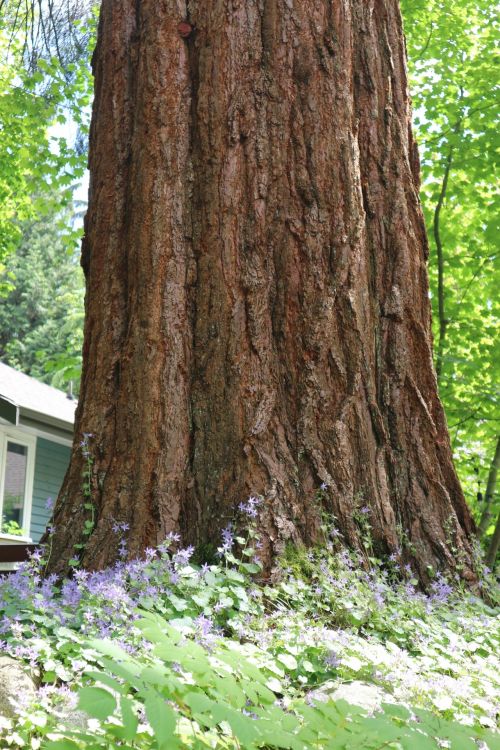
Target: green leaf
point(251, 567)
point(275, 685)
point(199, 702)
point(107, 680)
point(162, 718)
point(129, 719)
point(96, 702)
point(288, 660)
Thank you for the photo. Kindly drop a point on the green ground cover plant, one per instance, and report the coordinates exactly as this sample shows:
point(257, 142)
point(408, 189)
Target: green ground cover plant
point(168, 653)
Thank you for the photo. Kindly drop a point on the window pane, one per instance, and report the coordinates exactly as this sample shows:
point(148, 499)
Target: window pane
point(15, 484)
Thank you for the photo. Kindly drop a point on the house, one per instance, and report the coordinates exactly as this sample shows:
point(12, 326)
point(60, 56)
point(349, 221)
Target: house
point(36, 433)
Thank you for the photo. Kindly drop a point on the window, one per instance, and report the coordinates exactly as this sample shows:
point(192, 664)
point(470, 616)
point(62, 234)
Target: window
point(17, 459)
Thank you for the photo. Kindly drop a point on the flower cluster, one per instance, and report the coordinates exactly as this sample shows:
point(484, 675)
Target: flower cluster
point(326, 620)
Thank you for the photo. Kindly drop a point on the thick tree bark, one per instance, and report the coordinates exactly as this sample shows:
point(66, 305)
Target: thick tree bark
point(257, 313)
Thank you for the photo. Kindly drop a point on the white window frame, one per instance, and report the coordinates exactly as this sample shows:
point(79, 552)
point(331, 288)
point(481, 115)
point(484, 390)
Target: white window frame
point(20, 437)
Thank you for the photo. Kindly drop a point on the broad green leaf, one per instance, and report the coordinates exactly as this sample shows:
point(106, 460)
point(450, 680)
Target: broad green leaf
point(288, 660)
point(96, 702)
point(162, 718)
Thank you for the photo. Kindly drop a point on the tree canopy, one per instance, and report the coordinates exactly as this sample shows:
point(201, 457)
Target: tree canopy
point(41, 318)
point(44, 112)
point(453, 59)
point(40, 104)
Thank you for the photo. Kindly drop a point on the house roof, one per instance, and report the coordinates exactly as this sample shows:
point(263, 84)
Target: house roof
point(24, 400)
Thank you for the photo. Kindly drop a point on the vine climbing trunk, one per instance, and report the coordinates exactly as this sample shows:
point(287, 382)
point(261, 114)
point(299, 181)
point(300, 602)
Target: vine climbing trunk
point(257, 311)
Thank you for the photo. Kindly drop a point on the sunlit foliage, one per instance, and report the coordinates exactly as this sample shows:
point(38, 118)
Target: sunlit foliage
point(453, 56)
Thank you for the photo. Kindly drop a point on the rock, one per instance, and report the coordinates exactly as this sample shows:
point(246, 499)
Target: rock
point(361, 694)
point(16, 687)
point(71, 718)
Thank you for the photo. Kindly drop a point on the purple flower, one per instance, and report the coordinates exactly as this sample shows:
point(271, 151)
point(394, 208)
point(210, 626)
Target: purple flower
point(35, 556)
point(172, 537)
point(120, 526)
point(365, 510)
point(228, 539)
point(70, 593)
point(440, 589)
point(84, 444)
point(205, 568)
point(49, 503)
point(250, 507)
point(183, 556)
point(81, 575)
point(204, 625)
point(332, 660)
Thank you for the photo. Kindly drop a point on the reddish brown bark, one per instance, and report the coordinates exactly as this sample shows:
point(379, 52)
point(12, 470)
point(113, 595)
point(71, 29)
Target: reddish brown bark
point(257, 315)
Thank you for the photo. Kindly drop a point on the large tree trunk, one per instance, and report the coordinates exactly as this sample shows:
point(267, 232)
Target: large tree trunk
point(257, 313)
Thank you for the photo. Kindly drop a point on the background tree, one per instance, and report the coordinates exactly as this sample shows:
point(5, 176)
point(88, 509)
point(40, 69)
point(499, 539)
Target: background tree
point(38, 100)
point(257, 313)
point(453, 54)
point(44, 100)
point(41, 318)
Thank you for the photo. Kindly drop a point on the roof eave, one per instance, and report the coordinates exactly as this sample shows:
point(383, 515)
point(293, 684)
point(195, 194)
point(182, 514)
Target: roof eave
point(31, 418)
point(9, 410)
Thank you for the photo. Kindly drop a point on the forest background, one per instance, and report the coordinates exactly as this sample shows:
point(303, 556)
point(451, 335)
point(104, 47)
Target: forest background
point(45, 101)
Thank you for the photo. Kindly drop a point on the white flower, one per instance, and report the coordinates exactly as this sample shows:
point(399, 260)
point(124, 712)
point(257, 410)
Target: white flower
point(443, 702)
point(487, 721)
point(15, 738)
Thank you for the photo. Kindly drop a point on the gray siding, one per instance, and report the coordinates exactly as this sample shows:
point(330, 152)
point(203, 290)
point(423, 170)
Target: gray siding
point(51, 462)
